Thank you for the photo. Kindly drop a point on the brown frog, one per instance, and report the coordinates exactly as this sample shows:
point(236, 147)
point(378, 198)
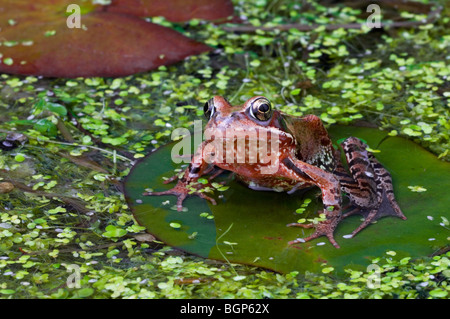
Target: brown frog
point(270, 150)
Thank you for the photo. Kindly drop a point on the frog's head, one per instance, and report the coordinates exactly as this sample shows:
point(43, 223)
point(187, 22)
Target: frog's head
point(255, 112)
point(236, 129)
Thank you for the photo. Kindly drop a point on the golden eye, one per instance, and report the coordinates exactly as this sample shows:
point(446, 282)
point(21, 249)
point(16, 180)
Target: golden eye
point(209, 109)
point(261, 109)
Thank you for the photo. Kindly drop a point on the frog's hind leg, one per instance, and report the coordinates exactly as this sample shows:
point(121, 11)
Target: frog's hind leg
point(385, 180)
point(360, 185)
point(350, 187)
point(386, 203)
point(370, 186)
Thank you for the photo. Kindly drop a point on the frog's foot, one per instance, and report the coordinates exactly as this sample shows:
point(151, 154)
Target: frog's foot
point(181, 192)
point(388, 207)
point(214, 171)
point(323, 228)
point(171, 179)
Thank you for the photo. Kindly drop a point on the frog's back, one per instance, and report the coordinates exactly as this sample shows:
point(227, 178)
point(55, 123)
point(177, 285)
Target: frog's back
point(314, 146)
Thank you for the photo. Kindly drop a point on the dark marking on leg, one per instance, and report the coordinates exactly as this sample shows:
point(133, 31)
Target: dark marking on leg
point(289, 164)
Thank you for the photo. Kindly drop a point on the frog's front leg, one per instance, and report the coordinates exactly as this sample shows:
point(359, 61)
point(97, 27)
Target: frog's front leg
point(331, 197)
point(186, 185)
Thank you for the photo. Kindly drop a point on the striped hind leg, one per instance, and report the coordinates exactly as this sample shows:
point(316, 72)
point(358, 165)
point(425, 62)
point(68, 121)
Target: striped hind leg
point(369, 185)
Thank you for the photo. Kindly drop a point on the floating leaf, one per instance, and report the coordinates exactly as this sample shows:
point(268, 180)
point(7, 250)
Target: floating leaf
point(438, 293)
point(57, 210)
point(7, 291)
point(57, 108)
point(113, 232)
point(256, 221)
point(175, 10)
point(417, 189)
point(327, 270)
point(84, 292)
point(175, 225)
point(105, 44)
point(45, 127)
point(391, 253)
point(19, 158)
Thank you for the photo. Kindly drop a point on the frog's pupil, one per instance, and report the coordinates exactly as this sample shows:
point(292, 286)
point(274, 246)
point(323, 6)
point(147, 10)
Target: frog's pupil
point(263, 108)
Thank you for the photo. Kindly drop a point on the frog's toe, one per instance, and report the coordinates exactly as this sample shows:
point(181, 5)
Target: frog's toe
point(169, 192)
point(296, 241)
point(202, 195)
point(322, 229)
point(351, 212)
point(171, 179)
point(300, 225)
point(371, 216)
point(387, 207)
point(181, 195)
point(316, 235)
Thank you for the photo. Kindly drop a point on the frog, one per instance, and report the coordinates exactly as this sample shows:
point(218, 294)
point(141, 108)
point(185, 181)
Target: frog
point(302, 156)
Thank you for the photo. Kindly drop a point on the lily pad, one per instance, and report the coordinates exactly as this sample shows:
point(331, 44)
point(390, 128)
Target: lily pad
point(42, 38)
point(249, 226)
point(175, 10)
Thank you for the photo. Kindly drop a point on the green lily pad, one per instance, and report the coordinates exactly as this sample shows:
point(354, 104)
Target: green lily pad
point(249, 226)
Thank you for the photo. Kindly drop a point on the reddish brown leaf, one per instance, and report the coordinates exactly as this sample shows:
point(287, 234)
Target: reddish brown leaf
point(175, 10)
point(37, 41)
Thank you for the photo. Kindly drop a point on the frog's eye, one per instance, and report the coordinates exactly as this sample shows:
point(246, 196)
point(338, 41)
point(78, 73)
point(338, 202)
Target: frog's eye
point(209, 109)
point(261, 109)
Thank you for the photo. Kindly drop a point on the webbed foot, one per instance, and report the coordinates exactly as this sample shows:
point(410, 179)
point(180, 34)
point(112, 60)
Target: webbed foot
point(181, 191)
point(388, 207)
point(323, 228)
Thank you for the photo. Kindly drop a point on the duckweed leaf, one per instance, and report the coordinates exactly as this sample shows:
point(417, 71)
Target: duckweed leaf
point(57, 108)
point(40, 41)
point(113, 232)
point(256, 221)
point(45, 127)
